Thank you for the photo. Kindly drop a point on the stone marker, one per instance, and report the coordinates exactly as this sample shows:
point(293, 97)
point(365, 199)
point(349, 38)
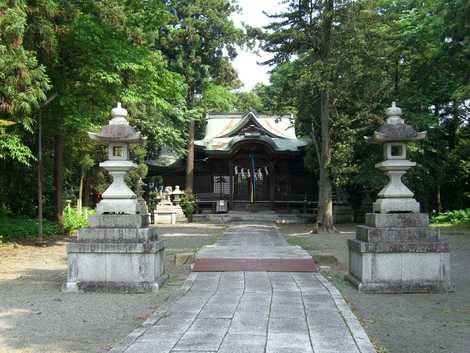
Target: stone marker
point(118, 251)
point(396, 251)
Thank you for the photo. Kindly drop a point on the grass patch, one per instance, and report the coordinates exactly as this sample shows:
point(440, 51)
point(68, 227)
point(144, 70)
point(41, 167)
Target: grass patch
point(451, 226)
point(305, 242)
point(337, 279)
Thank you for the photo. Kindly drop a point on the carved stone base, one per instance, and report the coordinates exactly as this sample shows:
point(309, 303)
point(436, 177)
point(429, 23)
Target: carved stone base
point(396, 205)
point(126, 258)
point(398, 253)
point(117, 206)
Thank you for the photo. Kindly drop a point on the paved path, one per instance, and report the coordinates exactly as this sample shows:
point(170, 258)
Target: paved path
point(253, 247)
point(252, 312)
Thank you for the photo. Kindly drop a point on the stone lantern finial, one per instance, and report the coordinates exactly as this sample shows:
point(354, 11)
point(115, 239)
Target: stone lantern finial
point(394, 115)
point(119, 115)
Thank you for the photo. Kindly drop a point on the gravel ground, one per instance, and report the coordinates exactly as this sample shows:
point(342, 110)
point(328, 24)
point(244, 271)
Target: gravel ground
point(36, 317)
point(406, 323)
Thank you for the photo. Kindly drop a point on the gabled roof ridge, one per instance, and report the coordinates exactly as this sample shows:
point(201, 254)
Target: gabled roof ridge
point(250, 115)
point(241, 115)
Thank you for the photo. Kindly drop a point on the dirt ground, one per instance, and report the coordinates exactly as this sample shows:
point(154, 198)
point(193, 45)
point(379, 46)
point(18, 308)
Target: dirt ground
point(406, 323)
point(36, 317)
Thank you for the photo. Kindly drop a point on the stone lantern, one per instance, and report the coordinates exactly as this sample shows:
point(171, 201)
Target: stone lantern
point(118, 135)
point(177, 195)
point(395, 134)
point(396, 251)
point(180, 217)
point(117, 251)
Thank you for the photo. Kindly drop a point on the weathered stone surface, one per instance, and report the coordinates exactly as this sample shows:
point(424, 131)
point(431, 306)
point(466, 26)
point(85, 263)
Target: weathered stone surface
point(400, 272)
point(117, 235)
point(397, 220)
point(243, 343)
point(116, 206)
point(118, 221)
point(397, 246)
point(395, 234)
point(165, 215)
point(396, 132)
point(115, 247)
point(390, 205)
point(253, 248)
point(325, 324)
point(115, 271)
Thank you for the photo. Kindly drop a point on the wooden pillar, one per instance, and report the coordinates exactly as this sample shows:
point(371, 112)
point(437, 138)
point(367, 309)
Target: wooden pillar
point(272, 181)
point(230, 167)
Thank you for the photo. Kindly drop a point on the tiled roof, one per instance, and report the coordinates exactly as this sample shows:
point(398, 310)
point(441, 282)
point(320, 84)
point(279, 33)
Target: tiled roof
point(223, 131)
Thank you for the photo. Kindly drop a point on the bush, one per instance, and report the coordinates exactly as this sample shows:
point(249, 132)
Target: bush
point(453, 217)
point(74, 220)
point(188, 204)
point(15, 227)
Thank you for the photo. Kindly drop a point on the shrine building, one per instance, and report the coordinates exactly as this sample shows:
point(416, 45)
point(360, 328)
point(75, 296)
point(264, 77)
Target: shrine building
point(252, 161)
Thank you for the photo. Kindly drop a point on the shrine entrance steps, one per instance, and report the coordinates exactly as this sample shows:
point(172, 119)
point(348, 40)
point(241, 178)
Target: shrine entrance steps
point(249, 216)
point(253, 247)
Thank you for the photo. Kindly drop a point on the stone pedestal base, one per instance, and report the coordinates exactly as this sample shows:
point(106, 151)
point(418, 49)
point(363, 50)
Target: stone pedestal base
point(165, 217)
point(396, 205)
point(180, 217)
point(398, 253)
point(124, 259)
point(113, 206)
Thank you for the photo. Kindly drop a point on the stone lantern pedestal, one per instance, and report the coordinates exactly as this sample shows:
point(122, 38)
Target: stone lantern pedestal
point(396, 251)
point(117, 251)
point(165, 212)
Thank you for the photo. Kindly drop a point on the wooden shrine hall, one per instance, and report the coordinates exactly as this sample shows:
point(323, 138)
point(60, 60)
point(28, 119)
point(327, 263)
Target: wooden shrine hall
point(250, 161)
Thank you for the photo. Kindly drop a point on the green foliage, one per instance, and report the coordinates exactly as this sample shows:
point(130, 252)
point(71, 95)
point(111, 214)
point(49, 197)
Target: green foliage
point(249, 101)
point(16, 227)
point(188, 204)
point(453, 217)
point(24, 82)
point(218, 99)
point(415, 53)
point(199, 40)
point(74, 220)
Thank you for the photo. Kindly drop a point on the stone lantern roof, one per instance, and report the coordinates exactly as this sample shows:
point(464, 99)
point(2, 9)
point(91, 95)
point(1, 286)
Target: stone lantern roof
point(395, 129)
point(118, 129)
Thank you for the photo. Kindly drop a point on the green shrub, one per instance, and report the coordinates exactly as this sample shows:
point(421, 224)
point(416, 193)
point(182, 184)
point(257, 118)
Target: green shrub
point(453, 217)
point(15, 227)
point(188, 204)
point(74, 220)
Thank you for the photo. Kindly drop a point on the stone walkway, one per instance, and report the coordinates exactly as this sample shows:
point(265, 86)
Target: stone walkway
point(251, 312)
point(253, 247)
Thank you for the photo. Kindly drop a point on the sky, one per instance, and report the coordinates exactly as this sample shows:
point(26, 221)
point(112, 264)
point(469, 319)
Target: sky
point(246, 63)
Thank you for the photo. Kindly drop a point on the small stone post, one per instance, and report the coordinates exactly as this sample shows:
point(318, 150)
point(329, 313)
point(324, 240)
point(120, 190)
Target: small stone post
point(396, 251)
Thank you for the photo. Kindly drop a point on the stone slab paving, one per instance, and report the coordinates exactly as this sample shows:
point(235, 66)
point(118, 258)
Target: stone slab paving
point(252, 312)
point(253, 247)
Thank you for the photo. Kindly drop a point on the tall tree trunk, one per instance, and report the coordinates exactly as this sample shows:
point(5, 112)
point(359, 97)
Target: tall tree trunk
point(438, 199)
point(325, 202)
point(40, 177)
point(59, 179)
point(190, 159)
point(80, 192)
